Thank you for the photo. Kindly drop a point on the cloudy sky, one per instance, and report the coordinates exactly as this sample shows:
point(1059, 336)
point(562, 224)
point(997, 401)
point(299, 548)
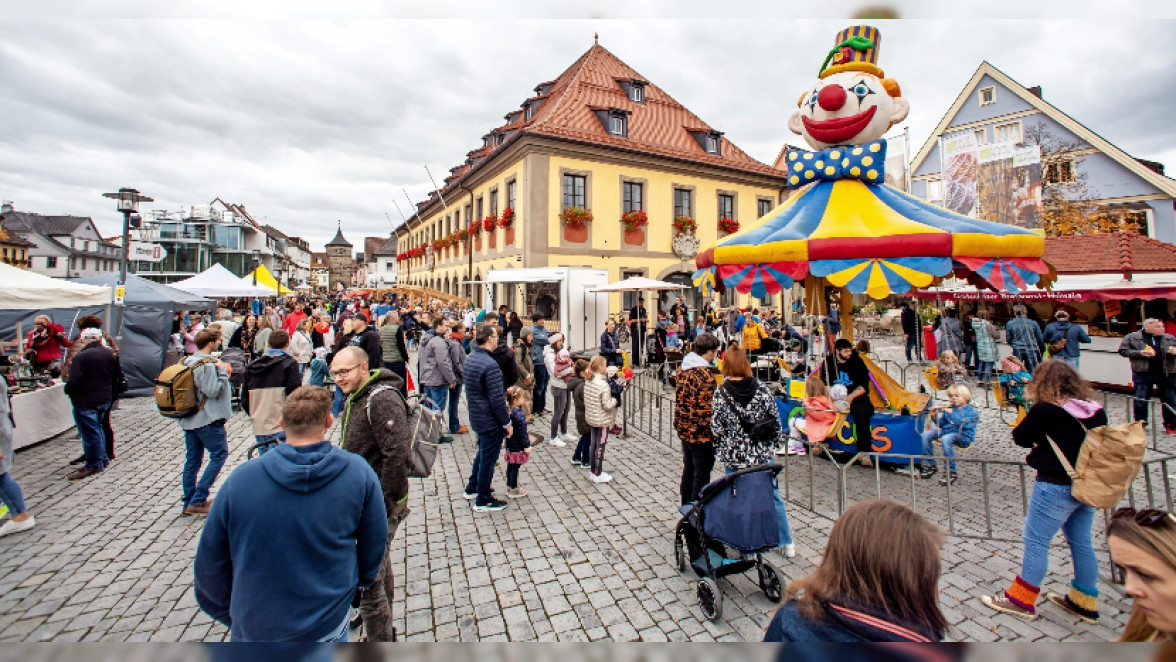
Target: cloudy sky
point(308, 121)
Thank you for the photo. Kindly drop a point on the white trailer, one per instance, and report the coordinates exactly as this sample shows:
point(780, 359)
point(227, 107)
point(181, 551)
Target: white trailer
point(582, 313)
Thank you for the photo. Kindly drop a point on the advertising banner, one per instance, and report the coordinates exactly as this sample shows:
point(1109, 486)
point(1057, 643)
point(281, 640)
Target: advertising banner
point(1009, 184)
point(896, 162)
point(960, 172)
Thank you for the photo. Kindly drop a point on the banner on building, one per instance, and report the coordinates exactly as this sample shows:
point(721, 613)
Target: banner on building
point(896, 162)
point(1009, 184)
point(960, 173)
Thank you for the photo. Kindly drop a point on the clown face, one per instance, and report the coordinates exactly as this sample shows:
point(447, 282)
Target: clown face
point(848, 108)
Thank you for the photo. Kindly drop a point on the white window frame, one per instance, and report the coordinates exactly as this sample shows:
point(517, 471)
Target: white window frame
point(981, 135)
point(937, 185)
point(1020, 137)
point(991, 90)
point(529, 112)
point(616, 125)
point(637, 93)
point(712, 144)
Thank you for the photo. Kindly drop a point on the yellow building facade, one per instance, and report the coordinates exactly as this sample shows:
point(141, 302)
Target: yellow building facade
point(565, 148)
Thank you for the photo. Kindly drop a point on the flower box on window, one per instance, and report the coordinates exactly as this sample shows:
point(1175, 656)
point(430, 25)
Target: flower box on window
point(728, 225)
point(684, 224)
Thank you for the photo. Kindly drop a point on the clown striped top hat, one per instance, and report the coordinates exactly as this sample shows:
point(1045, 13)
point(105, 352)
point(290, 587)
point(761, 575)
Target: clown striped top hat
point(855, 49)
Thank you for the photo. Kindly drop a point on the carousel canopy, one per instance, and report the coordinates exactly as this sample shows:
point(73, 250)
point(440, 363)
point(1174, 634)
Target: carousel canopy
point(868, 238)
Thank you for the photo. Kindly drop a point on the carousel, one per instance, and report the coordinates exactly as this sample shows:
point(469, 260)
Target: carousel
point(846, 231)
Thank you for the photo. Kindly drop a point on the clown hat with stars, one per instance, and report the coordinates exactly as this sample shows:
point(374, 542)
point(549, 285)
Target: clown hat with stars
point(855, 49)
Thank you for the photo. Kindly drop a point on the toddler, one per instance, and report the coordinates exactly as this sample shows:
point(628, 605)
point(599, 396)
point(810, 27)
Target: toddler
point(950, 370)
point(838, 394)
point(954, 426)
point(672, 339)
point(616, 386)
point(563, 365)
point(818, 417)
point(1013, 379)
point(518, 444)
point(319, 367)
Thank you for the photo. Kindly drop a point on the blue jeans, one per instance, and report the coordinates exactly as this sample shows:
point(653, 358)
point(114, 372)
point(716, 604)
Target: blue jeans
point(781, 512)
point(539, 393)
point(89, 422)
point(947, 441)
point(1166, 385)
point(454, 397)
point(212, 438)
point(1052, 507)
point(262, 450)
point(911, 346)
point(582, 447)
point(337, 402)
point(1073, 361)
point(967, 355)
point(482, 474)
point(437, 396)
point(984, 372)
point(340, 635)
point(11, 495)
point(1030, 357)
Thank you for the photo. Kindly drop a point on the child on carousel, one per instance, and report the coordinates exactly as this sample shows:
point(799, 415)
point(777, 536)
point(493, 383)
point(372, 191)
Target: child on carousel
point(1013, 378)
point(819, 416)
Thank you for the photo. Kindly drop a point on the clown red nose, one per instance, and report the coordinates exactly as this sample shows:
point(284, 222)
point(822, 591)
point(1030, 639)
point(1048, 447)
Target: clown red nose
point(831, 97)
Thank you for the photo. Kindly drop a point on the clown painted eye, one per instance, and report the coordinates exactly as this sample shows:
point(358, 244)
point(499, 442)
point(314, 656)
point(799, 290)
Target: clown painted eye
point(860, 90)
point(812, 101)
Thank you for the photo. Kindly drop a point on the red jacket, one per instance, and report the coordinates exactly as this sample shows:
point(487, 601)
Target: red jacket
point(290, 324)
point(48, 346)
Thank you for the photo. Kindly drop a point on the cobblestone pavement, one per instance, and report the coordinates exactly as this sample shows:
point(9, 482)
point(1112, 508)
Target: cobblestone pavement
point(111, 556)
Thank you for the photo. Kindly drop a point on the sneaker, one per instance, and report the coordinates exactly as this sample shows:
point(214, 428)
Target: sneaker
point(782, 451)
point(445, 439)
point(927, 472)
point(556, 441)
point(13, 526)
point(462, 430)
point(202, 509)
point(83, 473)
point(585, 465)
point(601, 477)
point(907, 470)
point(492, 504)
point(1057, 600)
point(470, 495)
point(570, 438)
point(516, 493)
point(952, 477)
point(1005, 606)
point(790, 550)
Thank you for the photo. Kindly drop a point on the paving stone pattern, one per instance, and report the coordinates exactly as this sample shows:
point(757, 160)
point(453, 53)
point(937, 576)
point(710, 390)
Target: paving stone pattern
point(111, 556)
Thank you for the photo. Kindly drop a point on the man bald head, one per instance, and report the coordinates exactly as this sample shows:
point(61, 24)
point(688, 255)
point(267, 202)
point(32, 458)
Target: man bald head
point(349, 369)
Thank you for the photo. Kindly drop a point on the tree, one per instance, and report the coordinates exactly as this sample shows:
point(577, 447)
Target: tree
point(1068, 207)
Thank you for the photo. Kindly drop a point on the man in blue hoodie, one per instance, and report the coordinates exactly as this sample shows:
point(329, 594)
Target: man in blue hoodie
point(293, 534)
point(1062, 337)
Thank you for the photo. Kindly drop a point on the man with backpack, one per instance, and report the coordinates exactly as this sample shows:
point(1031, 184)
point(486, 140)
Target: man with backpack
point(268, 381)
point(375, 427)
point(204, 429)
point(1062, 338)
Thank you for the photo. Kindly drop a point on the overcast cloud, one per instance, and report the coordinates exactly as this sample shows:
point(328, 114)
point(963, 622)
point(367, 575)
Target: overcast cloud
point(308, 121)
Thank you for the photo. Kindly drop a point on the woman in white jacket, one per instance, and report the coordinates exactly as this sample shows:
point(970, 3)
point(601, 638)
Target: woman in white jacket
point(301, 347)
point(600, 412)
point(559, 389)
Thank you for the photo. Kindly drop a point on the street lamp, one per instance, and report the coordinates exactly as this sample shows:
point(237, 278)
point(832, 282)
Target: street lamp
point(128, 203)
point(256, 264)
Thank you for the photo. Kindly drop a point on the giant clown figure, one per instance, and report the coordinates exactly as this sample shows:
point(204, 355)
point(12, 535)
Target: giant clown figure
point(844, 226)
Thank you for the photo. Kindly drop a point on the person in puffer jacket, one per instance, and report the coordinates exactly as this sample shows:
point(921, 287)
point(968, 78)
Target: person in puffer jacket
point(1064, 409)
point(576, 389)
point(600, 413)
point(268, 381)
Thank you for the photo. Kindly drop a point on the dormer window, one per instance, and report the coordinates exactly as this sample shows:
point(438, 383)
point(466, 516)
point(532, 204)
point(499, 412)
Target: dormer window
point(616, 124)
point(712, 143)
point(528, 112)
point(637, 92)
point(709, 140)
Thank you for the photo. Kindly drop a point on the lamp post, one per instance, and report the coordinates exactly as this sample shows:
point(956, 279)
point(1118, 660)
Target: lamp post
point(128, 203)
point(256, 264)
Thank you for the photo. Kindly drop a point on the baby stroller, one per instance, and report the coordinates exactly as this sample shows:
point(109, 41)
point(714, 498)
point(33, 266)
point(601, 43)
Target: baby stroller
point(726, 532)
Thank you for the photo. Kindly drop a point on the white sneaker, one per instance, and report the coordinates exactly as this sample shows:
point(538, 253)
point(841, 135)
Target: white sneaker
point(470, 495)
point(556, 441)
point(13, 526)
point(790, 550)
point(601, 477)
point(570, 438)
point(516, 493)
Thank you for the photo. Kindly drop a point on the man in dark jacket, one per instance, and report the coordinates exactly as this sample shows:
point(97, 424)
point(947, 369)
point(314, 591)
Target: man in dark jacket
point(375, 427)
point(1153, 361)
point(846, 367)
point(292, 535)
point(1064, 336)
point(489, 417)
point(910, 330)
point(91, 390)
point(367, 339)
point(268, 380)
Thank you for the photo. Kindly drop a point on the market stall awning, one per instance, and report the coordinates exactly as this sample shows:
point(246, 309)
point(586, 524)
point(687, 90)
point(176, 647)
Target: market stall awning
point(265, 278)
point(26, 290)
point(217, 282)
point(1076, 287)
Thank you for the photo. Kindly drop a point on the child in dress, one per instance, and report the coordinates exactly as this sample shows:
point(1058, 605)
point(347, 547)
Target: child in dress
point(950, 369)
point(1013, 378)
point(954, 426)
point(817, 420)
point(518, 444)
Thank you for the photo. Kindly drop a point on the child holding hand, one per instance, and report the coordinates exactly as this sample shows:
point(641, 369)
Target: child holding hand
point(518, 444)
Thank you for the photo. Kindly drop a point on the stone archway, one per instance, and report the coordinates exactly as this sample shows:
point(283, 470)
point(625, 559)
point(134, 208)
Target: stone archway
point(675, 274)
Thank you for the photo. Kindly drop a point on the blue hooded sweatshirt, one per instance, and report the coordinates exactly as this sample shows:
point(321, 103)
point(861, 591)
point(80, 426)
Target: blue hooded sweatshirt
point(290, 536)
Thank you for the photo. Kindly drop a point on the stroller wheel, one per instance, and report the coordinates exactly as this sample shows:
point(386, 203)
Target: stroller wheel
point(769, 581)
point(710, 599)
point(680, 552)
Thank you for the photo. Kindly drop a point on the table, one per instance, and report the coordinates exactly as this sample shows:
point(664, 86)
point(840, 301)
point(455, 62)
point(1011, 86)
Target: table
point(893, 433)
point(40, 414)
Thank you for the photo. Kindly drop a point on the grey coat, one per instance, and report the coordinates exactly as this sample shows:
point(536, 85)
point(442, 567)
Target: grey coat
point(213, 384)
point(435, 367)
point(457, 357)
point(1133, 344)
point(5, 429)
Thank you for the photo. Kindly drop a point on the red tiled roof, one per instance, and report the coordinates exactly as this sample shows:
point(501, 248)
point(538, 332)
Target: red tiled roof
point(661, 126)
point(1111, 252)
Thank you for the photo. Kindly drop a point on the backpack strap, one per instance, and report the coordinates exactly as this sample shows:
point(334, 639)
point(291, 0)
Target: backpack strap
point(1062, 458)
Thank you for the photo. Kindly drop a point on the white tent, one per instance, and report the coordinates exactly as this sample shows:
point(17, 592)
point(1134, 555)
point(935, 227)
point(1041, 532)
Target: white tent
point(639, 284)
point(25, 290)
point(216, 282)
point(269, 291)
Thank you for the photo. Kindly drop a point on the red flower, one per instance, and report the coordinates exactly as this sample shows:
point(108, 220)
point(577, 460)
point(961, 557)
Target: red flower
point(575, 216)
point(728, 225)
point(507, 218)
point(634, 219)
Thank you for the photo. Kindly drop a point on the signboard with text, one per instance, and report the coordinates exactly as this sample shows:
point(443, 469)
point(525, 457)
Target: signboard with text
point(141, 251)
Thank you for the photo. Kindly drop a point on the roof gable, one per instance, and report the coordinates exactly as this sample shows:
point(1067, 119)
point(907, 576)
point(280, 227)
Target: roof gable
point(987, 71)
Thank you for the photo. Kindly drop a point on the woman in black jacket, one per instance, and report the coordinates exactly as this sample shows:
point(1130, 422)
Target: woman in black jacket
point(1065, 409)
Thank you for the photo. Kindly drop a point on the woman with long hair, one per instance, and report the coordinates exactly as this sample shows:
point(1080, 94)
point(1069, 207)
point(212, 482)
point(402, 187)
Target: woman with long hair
point(878, 581)
point(1064, 408)
point(1143, 543)
point(746, 428)
point(265, 327)
point(245, 336)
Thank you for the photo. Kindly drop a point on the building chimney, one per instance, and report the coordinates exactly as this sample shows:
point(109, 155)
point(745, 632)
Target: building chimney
point(1036, 91)
point(6, 207)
